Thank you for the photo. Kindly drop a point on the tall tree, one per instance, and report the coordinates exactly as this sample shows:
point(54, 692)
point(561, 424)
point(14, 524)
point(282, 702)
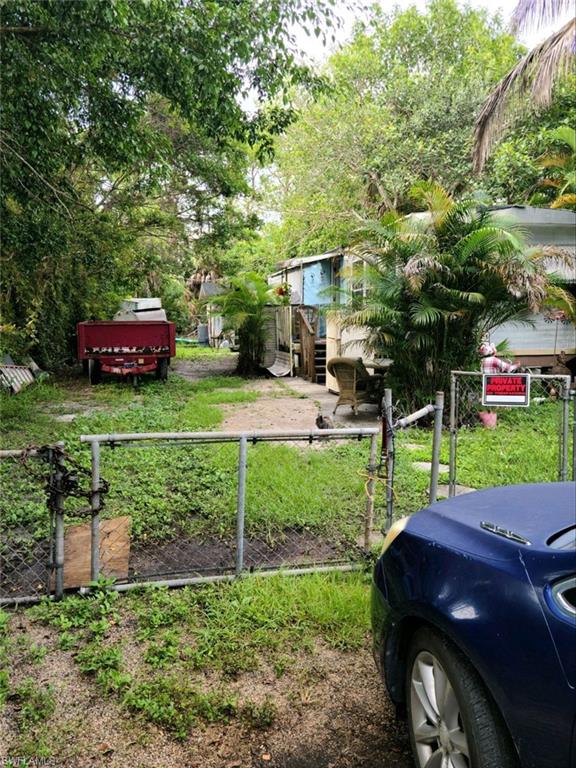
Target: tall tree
point(404, 95)
point(535, 75)
point(122, 123)
point(513, 173)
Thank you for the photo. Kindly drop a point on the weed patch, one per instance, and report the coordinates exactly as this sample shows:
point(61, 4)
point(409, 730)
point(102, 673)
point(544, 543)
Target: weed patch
point(259, 715)
point(35, 703)
point(178, 706)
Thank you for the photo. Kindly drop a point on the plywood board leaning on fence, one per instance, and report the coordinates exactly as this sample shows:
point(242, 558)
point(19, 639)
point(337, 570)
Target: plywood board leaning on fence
point(114, 551)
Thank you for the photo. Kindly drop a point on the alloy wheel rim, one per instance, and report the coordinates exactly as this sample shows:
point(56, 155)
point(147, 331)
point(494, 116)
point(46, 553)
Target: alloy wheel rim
point(436, 721)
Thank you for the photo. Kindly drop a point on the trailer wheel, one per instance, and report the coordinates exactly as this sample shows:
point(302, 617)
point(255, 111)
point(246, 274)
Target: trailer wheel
point(162, 369)
point(94, 371)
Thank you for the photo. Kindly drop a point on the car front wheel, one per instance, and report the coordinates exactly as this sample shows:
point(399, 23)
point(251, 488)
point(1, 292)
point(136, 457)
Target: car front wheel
point(451, 719)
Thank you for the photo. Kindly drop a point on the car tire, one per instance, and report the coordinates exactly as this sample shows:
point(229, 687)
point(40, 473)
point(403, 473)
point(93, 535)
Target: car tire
point(162, 369)
point(452, 721)
point(94, 371)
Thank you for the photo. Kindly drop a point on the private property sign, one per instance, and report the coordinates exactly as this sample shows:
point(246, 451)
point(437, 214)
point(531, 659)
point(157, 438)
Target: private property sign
point(511, 389)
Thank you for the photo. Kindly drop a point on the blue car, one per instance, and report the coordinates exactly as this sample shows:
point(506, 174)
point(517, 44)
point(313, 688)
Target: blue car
point(474, 627)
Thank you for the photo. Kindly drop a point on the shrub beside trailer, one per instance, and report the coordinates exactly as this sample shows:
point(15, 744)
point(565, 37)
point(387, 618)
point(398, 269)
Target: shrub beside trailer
point(126, 347)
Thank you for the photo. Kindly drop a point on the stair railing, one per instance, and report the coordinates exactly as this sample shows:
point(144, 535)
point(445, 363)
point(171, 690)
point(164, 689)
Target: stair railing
point(308, 343)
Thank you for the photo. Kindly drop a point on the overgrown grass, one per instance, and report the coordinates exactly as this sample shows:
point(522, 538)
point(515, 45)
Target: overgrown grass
point(156, 486)
point(524, 448)
point(195, 352)
point(181, 490)
point(176, 636)
point(170, 492)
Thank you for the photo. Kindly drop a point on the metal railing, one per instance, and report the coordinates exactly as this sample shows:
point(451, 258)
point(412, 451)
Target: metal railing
point(389, 429)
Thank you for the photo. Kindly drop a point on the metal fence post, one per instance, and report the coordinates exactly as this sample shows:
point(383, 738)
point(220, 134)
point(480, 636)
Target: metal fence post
point(436, 443)
point(240, 507)
point(388, 421)
point(369, 519)
point(453, 435)
point(95, 508)
point(573, 393)
point(565, 431)
point(59, 523)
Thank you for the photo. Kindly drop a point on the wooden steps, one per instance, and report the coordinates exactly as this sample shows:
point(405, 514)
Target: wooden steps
point(320, 361)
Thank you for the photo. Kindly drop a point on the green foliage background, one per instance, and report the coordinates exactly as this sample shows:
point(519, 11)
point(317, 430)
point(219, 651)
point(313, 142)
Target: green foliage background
point(401, 108)
point(123, 147)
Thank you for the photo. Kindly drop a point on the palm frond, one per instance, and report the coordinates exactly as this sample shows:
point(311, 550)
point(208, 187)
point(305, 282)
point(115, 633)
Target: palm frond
point(536, 74)
point(419, 267)
point(466, 297)
point(550, 184)
point(372, 316)
point(437, 200)
point(564, 201)
point(559, 298)
point(561, 257)
point(424, 313)
point(482, 241)
point(538, 13)
point(564, 134)
point(553, 161)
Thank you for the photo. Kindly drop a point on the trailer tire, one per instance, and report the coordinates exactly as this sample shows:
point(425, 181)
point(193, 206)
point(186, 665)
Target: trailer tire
point(162, 369)
point(94, 371)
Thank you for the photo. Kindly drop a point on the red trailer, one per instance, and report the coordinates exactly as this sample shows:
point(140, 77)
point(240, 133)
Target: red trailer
point(126, 348)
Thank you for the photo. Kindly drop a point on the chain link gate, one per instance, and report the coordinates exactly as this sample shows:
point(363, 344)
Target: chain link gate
point(256, 502)
point(546, 418)
point(260, 502)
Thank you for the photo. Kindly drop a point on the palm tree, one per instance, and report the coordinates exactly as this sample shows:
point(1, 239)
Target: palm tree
point(535, 75)
point(438, 282)
point(243, 306)
point(562, 164)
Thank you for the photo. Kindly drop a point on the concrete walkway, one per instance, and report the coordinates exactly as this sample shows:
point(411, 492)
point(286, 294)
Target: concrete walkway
point(326, 401)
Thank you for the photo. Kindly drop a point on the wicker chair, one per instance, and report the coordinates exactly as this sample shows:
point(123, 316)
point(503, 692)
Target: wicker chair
point(355, 384)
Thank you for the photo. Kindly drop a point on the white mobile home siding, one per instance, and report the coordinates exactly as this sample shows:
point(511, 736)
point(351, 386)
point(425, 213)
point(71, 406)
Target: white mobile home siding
point(543, 337)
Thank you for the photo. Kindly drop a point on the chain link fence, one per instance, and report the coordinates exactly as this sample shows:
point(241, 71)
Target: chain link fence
point(27, 522)
point(258, 502)
point(209, 507)
point(543, 427)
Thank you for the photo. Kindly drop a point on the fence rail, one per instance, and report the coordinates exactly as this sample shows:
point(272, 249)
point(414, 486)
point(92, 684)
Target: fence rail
point(232, 540)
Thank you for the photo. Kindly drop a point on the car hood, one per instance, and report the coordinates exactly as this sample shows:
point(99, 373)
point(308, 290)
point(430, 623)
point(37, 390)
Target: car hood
point(534, 512)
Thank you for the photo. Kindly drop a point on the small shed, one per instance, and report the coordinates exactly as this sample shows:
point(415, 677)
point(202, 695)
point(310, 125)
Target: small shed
point(208, 290)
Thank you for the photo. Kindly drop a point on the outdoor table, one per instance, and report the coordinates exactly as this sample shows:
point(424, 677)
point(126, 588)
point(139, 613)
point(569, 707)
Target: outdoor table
point(380, 365)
